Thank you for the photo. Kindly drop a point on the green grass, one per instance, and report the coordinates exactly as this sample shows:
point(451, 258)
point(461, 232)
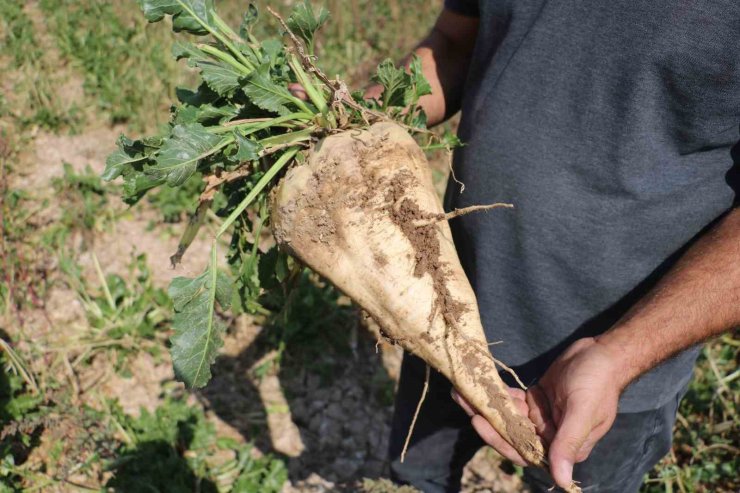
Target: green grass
point(83, 205)
point(177, 203)
point(175, 449)
point(126, 65)
point(20, 39)
point(705, 455)
point(125, 315)
point(20, 415)
point(23, 272)
point(34, 76)
point(309, 328)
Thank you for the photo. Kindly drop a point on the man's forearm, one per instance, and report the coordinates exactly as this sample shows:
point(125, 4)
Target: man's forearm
point(445, 63)
point(697, 299)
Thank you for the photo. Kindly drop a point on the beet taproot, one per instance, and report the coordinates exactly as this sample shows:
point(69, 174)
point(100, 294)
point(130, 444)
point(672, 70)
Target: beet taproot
point(363, 213)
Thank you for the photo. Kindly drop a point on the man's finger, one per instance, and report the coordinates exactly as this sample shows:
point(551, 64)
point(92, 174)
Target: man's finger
point(462, 403)
point(373, 92)
point(298, 91)
point(492, 438)
point(540, 414)
point(517, 393)
point(487, 432)
point(575, 428)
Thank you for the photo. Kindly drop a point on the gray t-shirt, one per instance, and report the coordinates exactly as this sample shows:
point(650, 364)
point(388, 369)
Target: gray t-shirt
point(609, 125)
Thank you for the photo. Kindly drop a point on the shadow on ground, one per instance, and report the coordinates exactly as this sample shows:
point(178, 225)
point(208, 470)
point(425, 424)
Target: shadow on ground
point(158, 466)
point(329, 404)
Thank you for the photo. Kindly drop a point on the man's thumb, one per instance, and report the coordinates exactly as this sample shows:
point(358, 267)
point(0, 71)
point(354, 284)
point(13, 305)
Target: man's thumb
point(571, 435)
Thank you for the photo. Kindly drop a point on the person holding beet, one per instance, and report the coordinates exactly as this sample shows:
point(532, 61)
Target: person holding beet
point(613, 128)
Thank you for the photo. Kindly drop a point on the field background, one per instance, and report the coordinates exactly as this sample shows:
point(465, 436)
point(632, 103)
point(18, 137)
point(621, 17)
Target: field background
point(301, 400)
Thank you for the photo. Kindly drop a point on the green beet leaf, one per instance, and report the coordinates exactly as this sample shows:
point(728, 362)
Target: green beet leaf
point(304, 22)
point(271, 50)
point(193, 16)
point(267, 94)
point(136, 185)
point(178, 158)
point(247, 150)
point(128, 151)
point(395, 82)
point(220, 130)
point(417, 119)
point(182, 49)
point(198, 331)
point(248, 21)
point(222, 78)
point(204, 113)
point(202, 95)
point(418, 85)
point(402, 88)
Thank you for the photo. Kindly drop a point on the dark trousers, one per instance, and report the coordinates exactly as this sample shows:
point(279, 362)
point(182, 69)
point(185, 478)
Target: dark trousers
point(444, 441)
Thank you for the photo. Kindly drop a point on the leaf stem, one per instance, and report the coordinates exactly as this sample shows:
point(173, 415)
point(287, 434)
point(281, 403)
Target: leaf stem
point(221, 24)
point(261, 184)
point(191, 230)
point(435, 147)
point(217, 35)
point(314, 94)
point(231, 34)
point(212, 50)
point(301, 104)
point(255, 126)
point(289, 137)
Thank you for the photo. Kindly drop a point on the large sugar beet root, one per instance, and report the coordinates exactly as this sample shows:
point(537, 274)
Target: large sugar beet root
point(363, 213)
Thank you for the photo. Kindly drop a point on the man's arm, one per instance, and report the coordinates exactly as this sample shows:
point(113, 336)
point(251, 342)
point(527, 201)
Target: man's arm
point(575, 402)
point(445, 57)
point(698, 299)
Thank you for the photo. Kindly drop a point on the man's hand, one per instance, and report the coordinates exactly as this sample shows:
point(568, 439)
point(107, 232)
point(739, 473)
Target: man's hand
point(572, 407)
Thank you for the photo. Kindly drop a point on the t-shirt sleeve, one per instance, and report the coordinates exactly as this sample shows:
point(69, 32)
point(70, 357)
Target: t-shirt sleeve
point(464, 7)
